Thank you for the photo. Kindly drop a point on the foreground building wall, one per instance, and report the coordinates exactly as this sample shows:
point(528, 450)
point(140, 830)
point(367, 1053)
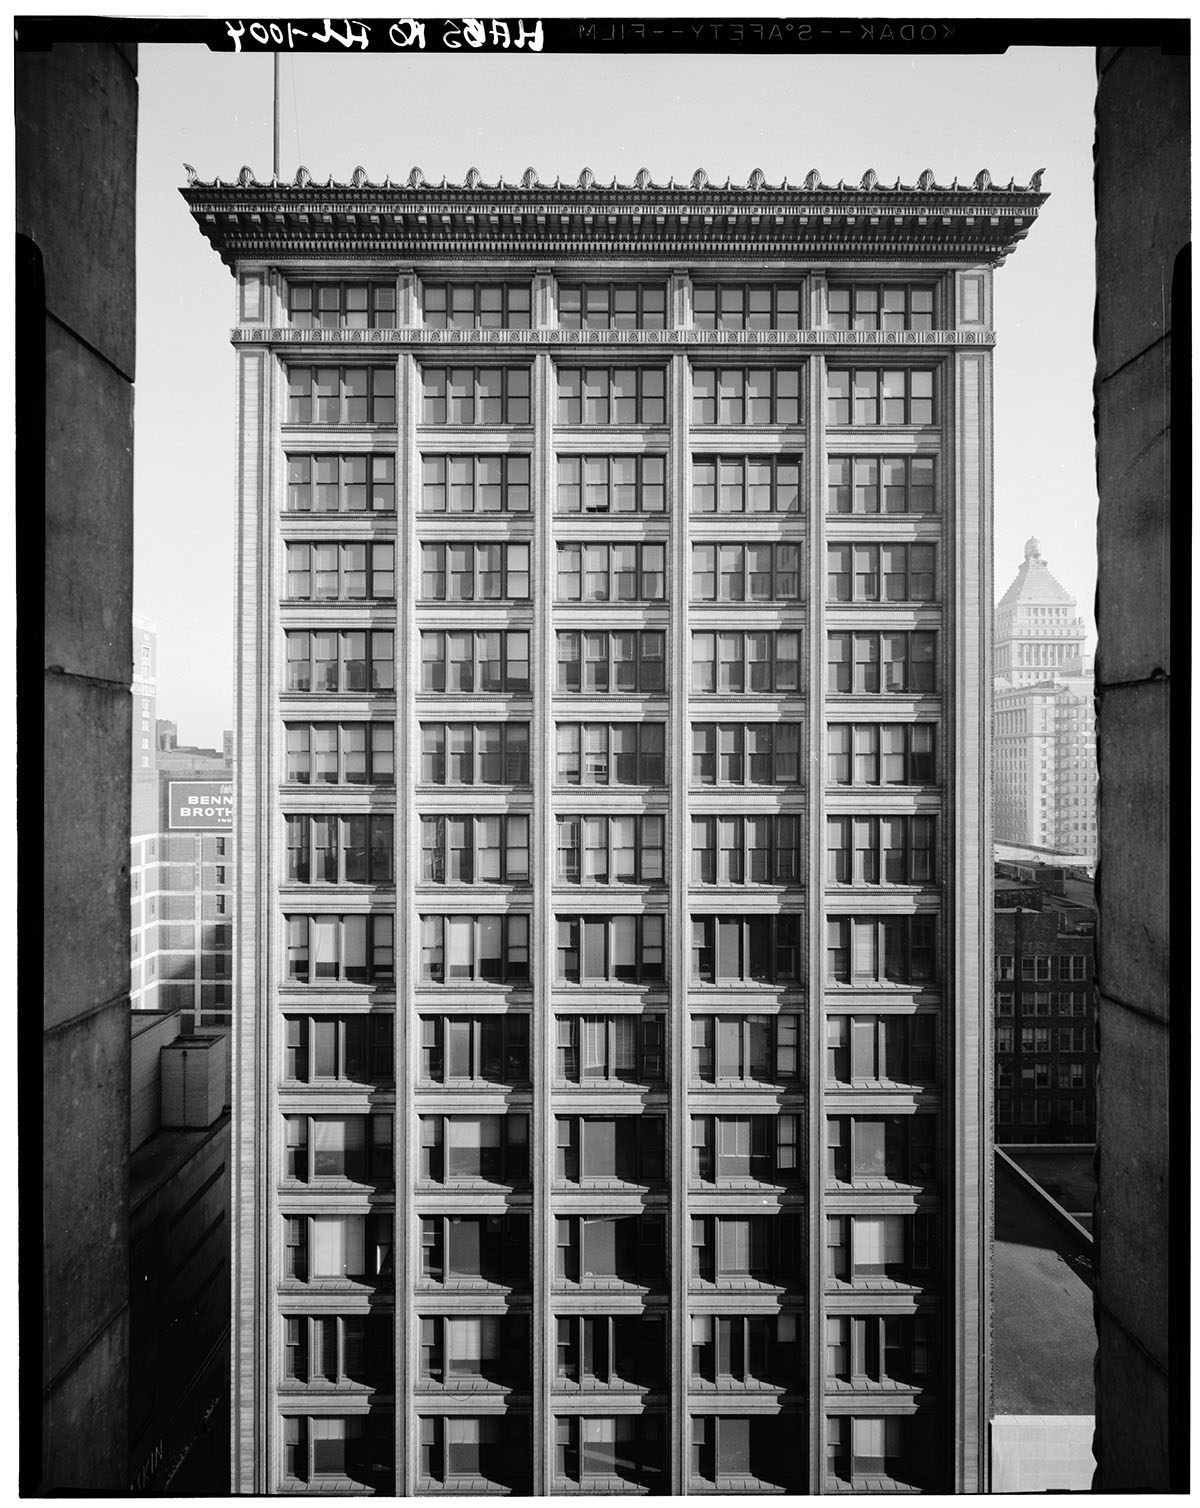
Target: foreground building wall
point(613, 941)
point(1143, 462)
point(76, 106)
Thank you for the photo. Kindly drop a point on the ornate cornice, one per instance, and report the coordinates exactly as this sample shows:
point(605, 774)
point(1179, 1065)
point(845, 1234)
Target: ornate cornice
point(250, 219)
point(286, 336)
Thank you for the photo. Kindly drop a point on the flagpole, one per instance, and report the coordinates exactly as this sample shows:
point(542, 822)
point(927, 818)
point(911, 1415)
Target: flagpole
point(276, 151)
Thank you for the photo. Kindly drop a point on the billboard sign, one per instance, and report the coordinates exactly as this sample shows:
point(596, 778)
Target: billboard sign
point(200, 805)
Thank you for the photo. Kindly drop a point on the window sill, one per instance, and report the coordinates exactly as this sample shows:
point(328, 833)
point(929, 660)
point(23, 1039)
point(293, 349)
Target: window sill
point(465, 1285)
point(607, 1285)
point(879, 1185)
point(464, 1486)
point(467, 1385)
point(747, 1185)
point(609, 1185)
point(743, 1284)
point(737, 1484)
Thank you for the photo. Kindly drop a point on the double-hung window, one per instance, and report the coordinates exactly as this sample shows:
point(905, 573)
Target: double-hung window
point(601, 572)
point(738, 663)
point(873, 396)
point(761, 572)
point(611, 949)
point(475, 306)
point(341, 395)
point(461, 572)
point(746, 306)
point(475, 395)
point(346, 660)
point(612, 306)
point(487, 662)
point(341, 306)
point(894, 1049)
point(475, 484)
point(612, 395)
point(881, 573)
point(328, 949)
point(339, 1049)
point(746, 754)
point(458, 849)
point(355, 571)
point(460, 950)
point(353, 1249)
point(475, 753)
point(341, 484)
point(354, 849)
point(898, 850)
point(887, 484)
point(611, 484)
point(349, 1148)
point(595, 1150)
point(870, 664)
point(746, 395)
point(594, 1050)
point(340, 753)
point(474, 1148)
point(475, 1049)
point(881, 306)
point(895, 1149)
point(746, 484)
point(626, 850)
point(875, 754)
point(745, 949)
point(750, 850)
point(881, 949)
point(632, 660)
point(610, 754)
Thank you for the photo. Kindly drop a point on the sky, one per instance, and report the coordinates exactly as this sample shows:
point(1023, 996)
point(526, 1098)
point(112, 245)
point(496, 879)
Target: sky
point(1025, 109)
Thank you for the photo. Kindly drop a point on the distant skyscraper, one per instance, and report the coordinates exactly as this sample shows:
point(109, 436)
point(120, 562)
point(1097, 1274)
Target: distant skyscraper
point(145, 693)
point(614, 924)
point(1044, 742)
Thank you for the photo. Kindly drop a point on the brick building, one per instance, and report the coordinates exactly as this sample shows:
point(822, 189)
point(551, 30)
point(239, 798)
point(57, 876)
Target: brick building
point(1046, 1048)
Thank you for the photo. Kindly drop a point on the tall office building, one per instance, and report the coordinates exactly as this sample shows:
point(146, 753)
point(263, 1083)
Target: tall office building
point(613, 923)
point(1043, 720)
point(145, 693)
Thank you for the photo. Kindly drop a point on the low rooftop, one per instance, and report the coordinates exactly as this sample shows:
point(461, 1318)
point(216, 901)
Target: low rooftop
point(1043, 1334)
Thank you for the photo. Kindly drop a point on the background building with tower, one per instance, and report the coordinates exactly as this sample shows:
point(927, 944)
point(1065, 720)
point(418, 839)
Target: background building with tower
point(1043, 717)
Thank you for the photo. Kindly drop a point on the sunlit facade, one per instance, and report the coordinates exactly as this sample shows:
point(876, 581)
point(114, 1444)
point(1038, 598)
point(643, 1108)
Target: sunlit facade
point(613, 921)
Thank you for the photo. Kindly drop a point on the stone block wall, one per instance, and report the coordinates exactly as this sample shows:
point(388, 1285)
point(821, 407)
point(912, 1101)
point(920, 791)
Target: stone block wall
point(1142, 177)
point(76, 138)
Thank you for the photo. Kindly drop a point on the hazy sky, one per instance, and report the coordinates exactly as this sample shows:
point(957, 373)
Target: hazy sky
point(1027, 109)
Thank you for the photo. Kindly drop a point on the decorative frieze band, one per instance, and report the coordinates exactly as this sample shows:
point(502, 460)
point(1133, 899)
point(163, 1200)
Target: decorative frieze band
point(418, 336)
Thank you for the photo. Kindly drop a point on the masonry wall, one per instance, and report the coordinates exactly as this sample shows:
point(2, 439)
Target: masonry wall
point(76, 125)
point(1142, 174)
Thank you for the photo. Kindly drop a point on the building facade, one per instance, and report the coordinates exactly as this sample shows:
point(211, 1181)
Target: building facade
point(613, 900)
point(1043, 719)
point(181, 874)
point(1046, 1048)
